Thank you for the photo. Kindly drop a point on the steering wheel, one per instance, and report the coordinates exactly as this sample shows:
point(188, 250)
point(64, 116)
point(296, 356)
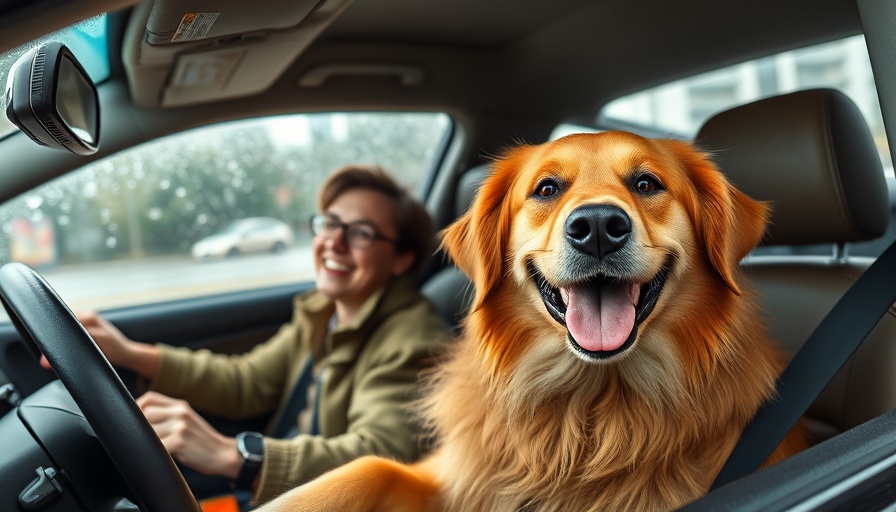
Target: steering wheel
point(46, 324)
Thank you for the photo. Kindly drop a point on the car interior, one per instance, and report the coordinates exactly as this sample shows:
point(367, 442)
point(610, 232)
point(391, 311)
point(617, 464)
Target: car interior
point(504, 72)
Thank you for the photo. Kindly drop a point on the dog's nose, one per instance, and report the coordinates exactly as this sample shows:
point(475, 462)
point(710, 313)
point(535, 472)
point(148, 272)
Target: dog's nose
point(598, 229)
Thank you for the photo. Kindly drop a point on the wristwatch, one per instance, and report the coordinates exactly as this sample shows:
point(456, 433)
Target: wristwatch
point(251, 448)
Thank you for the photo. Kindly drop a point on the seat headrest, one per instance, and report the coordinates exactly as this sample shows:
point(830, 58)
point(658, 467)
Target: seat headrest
point(811, 156)
point(467, 186)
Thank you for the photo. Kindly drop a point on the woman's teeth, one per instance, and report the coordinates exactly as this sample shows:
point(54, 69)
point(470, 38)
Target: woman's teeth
point(332, 265)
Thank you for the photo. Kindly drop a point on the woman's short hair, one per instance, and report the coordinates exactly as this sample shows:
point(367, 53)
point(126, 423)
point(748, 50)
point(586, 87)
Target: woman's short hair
point(412, 221)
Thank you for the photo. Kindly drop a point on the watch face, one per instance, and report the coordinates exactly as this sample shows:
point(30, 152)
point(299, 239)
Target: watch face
point(251, 445)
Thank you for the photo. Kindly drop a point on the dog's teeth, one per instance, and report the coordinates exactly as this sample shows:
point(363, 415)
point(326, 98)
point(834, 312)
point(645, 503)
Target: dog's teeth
point(634, 291)
point(564, 294)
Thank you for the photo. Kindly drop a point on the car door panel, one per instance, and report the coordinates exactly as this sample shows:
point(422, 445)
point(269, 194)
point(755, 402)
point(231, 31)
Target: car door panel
point(227, 323)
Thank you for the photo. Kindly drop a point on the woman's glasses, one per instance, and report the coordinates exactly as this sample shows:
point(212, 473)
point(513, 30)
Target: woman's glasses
point(358, 234)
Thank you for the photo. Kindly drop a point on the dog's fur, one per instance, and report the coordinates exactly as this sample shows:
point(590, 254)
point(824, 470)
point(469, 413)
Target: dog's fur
point(527, 418)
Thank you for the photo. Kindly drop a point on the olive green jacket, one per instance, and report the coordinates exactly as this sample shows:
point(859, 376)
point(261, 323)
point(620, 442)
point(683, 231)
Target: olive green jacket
point(367, 379)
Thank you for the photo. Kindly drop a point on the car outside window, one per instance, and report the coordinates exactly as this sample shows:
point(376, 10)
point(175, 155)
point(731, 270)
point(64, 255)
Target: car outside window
point(212, 210)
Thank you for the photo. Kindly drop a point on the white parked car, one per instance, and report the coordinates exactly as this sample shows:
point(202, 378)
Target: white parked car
point(254, 234)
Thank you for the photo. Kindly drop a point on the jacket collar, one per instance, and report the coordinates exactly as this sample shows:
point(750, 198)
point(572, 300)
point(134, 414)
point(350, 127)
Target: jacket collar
point(348, 340)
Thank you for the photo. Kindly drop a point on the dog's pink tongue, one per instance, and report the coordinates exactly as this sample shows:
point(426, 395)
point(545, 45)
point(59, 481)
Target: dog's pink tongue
point(600, 318)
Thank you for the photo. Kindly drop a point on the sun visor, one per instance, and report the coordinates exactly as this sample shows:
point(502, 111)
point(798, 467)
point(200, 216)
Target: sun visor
point(186, 52)
point(193, 20)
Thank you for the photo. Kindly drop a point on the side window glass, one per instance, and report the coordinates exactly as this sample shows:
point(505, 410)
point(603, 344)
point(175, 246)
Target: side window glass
point(213, 210)
point(679, 108)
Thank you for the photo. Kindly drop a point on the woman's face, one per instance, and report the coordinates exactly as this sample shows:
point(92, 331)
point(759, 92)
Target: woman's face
point(349, 275)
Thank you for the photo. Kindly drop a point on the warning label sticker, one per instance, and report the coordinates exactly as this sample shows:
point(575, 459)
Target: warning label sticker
point(195, 25)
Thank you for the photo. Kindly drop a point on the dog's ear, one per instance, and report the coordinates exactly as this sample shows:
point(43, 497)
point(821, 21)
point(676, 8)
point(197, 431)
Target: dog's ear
point(729, 223)
point(477, 240)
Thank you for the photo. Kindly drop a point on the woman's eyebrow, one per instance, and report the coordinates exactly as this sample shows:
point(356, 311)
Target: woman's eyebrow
point(359, 221)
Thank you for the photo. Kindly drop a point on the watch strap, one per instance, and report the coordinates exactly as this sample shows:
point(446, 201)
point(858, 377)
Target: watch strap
point(252, 459)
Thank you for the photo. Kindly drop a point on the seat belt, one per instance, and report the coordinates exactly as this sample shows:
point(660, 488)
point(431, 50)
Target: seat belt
point(814, 365)
point(298, 399)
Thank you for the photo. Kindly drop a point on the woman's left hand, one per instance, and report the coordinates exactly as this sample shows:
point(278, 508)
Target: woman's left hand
point(189, 438)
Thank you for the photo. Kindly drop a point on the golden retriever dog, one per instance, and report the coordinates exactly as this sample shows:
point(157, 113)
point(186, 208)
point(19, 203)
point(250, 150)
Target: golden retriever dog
point(612, 355)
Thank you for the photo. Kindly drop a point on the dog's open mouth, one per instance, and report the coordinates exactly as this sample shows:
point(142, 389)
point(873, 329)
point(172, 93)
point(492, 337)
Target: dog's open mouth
point(601, 314)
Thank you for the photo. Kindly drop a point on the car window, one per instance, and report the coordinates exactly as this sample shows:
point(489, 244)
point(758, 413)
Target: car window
point(679, 108)
point(212, 210)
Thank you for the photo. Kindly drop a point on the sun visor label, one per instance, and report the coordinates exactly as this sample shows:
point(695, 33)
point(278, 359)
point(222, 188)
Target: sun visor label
point(195, 25)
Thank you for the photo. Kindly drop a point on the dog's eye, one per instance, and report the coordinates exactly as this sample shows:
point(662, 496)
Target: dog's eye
point(647, 184)
point(547, 188)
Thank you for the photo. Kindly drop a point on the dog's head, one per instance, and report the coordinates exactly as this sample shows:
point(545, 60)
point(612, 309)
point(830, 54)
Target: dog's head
point(600, 232)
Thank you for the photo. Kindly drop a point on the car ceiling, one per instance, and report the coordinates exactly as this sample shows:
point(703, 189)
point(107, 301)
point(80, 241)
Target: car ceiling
point(563, 58)
point(568, 57)
point(557, 59)
point(508, 69)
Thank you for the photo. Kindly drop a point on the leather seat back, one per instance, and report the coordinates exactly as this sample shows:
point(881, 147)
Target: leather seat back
point(450, 289)
point(811, 155)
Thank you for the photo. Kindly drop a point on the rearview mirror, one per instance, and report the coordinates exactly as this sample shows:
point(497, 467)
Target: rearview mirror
point(51, 98)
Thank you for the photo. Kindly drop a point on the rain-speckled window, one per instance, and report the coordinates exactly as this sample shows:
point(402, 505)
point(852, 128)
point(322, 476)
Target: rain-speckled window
point(212, 210)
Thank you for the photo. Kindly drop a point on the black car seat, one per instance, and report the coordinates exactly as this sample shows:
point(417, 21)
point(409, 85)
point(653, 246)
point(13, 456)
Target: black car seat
point(874, 248)
point(811, 156)
point(449, 289)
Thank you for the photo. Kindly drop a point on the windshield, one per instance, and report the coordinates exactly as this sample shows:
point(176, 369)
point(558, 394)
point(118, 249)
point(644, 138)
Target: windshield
point(87, 40)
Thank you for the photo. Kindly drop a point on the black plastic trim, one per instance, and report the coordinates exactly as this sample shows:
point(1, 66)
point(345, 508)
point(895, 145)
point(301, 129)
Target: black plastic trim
point(848, 471)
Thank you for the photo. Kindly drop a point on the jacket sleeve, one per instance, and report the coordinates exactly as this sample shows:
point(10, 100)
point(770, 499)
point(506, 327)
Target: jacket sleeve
point(379, 416)
point(234, 387)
